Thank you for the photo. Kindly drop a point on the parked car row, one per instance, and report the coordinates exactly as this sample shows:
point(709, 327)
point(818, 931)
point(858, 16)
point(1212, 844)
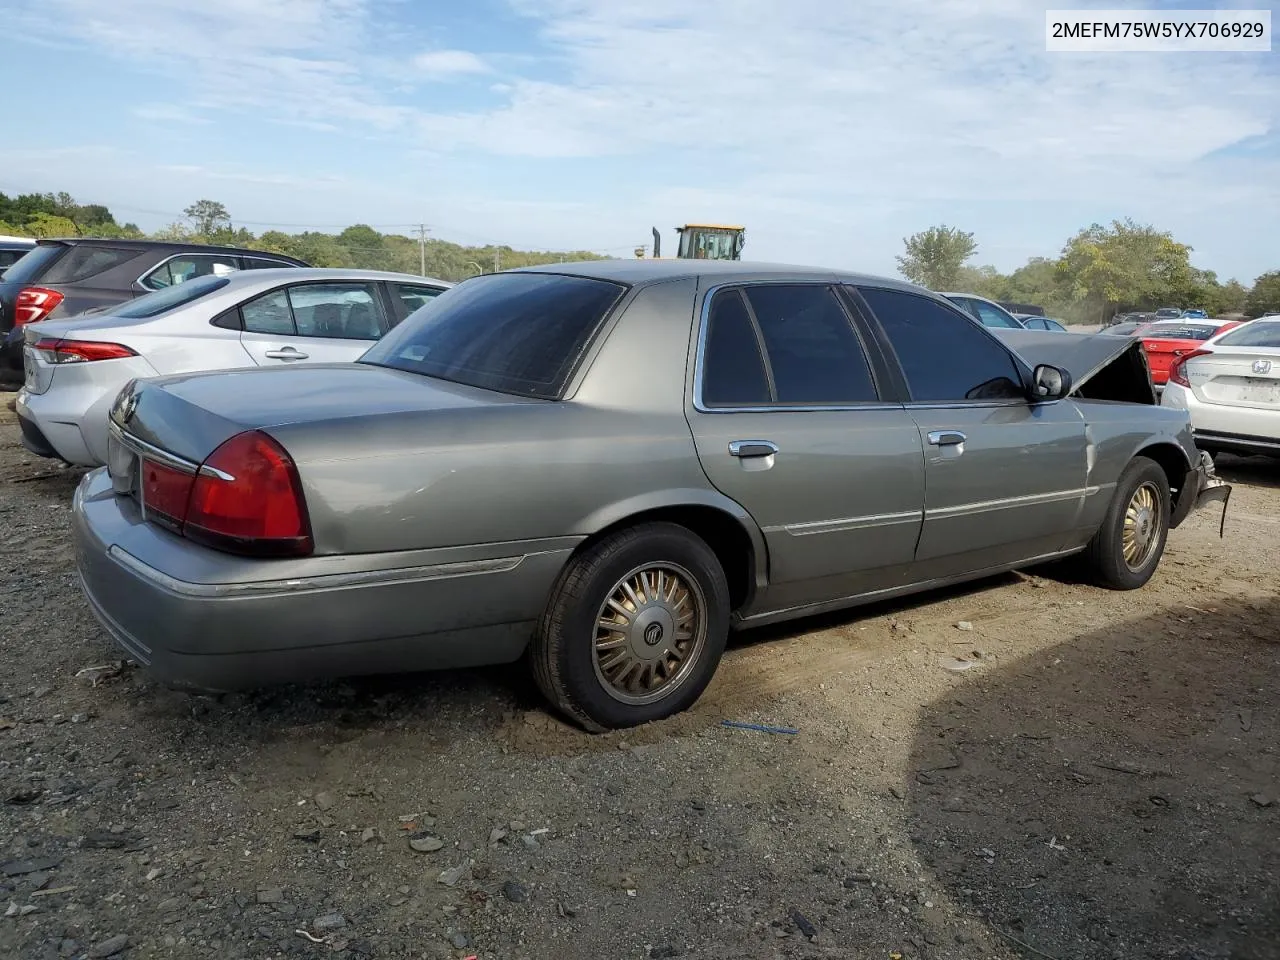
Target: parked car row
point(71, 277)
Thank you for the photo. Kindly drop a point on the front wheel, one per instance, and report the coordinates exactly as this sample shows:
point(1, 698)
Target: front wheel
point(634, 628)
point(1126, 550)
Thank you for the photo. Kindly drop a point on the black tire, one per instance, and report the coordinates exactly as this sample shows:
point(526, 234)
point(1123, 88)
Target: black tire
point(1105, 555)
point(563, 654)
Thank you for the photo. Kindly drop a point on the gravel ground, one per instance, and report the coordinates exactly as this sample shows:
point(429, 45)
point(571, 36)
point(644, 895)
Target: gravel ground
point(1026, 768)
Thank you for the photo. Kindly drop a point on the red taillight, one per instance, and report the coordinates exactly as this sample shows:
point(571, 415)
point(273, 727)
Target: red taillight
point(1178, 371)
point(34, 304)
point(247, 497)
point(165, 492)
point(55, 350)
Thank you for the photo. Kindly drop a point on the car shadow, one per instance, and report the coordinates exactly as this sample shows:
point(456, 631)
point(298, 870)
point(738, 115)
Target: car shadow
point(1115, 795)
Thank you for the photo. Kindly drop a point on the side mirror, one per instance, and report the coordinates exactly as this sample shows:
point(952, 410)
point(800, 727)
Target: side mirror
point(1050, 383)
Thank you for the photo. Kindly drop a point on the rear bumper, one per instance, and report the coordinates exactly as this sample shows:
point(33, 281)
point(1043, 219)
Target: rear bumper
point(1201, 488)
point(203, 620)
point(1228, 427)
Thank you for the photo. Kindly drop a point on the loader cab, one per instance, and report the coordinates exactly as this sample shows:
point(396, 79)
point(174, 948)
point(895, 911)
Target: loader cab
point(702, 241)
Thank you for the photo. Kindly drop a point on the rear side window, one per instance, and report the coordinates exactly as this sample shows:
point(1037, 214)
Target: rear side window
point(944, 356)
point(262, 263)
point(415, 297)
point(9, 257)
point(812, 351)
point(67, 263)
point(333, 311)
point(154, 304)
point(733, 371)
point(1260, 333)
point(519, 333)
point(784, 344)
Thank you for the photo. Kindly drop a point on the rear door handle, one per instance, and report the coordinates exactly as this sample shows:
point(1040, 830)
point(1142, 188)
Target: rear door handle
point(752, 448)
point(946, 438)
point(286, 353)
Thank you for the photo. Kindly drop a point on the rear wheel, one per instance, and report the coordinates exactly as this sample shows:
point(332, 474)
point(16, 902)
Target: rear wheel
point(1126, 550)
point(634, 628)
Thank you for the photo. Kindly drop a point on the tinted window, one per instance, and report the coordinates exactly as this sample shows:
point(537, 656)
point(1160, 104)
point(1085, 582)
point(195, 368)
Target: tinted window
point(67, 263)
point(813, 353)
point(30, 267)
point(414, 297)
point(520, 333)
point(944, 355)
point(181, 269)
point(341, 311)
point(1256, 334)
point(270, 313)
point(154, 304)
point(9, 257)
point(259, 263)
point(732, 370)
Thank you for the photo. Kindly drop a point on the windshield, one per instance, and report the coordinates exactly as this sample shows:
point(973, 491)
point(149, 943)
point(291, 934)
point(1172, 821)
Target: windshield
point(1180, 331)
point(1260, 333)
point(1168, 312)
point(520, 333)
point(154, 304)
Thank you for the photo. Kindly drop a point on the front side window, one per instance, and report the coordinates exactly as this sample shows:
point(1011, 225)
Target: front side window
point(181, 269)
point(945, 357)
point(519, 333)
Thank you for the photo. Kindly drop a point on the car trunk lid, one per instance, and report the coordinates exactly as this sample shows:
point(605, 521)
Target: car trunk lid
point(1239, 376)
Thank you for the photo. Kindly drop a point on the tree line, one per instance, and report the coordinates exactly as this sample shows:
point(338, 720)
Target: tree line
point(1101, 271)
point(209, 222)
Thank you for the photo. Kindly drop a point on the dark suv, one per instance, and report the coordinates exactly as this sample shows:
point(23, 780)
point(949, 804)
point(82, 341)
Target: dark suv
point(13, 249)
point(62, 278)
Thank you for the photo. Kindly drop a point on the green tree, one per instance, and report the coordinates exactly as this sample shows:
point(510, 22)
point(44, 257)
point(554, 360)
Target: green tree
point(934, 257)
point(1265, 295)
point(50, 225)
point(1124, 265)
point(207, 218)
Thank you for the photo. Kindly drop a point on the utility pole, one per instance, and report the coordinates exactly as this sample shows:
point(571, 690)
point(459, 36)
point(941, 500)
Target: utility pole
point(422, 248)
point(497, 258)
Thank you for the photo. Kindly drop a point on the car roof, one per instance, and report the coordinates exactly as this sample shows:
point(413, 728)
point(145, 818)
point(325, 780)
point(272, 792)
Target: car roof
point(639, 272)
point(297, 274)
point(163, 245)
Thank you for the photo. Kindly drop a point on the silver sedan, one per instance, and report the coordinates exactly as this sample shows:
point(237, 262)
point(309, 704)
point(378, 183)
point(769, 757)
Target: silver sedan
point(74, 368)
point(604, 467)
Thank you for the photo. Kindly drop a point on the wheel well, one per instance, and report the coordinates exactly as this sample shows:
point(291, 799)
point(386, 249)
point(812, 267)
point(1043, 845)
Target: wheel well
point(1172, 461)
point(719, 530)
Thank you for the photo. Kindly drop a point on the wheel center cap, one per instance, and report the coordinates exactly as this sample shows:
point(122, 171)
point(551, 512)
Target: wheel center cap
point(652, 633)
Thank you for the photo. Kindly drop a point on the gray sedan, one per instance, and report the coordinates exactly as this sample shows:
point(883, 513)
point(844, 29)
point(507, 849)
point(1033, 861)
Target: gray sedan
point(604, 467)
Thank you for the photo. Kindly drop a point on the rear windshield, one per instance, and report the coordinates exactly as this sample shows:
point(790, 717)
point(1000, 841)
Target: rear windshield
point(1180, 331)
point(154, 304)
point(520, 333)
point(67, 263)
point(1257, 334)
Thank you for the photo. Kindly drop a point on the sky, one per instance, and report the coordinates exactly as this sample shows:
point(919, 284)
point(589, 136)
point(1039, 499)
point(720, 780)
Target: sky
point(831, 131)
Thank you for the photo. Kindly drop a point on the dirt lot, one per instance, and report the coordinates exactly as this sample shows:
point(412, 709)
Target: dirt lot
point(1102, 781)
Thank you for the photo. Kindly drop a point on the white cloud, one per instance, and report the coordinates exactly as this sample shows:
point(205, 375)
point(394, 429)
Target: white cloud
point(450, 63)
point(830, 130)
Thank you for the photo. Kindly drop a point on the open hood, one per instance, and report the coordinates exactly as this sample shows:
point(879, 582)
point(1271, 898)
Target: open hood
point(1102, 367)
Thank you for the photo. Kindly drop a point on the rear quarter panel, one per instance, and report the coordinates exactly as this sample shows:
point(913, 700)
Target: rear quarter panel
point(517, 471)
point(1118, 432)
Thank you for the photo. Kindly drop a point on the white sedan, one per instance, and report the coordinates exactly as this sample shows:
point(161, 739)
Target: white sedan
point(1231, 387)
point(75, 368)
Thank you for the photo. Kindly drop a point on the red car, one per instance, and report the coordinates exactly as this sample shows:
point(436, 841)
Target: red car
point(1166, 340)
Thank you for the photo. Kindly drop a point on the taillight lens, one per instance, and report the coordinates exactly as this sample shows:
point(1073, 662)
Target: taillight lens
point(247, 497)
point(55, 350)
point(34, 304)
point(1178, 370)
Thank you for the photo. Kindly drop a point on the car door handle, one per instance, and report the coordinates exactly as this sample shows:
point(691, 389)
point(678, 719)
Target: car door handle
point(752, 448)
point(286, 353)
point(946, 438)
